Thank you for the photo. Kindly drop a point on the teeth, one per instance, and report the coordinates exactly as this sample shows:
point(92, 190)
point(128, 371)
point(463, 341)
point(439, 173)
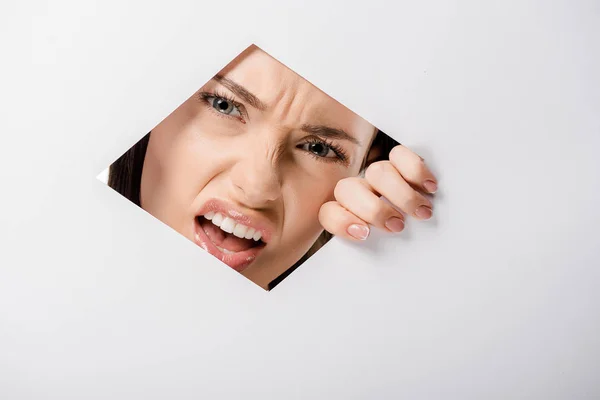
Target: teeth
point(250, 233)
point(230, 226)
point(217, 219)
point(240, 230)
point(227, 225)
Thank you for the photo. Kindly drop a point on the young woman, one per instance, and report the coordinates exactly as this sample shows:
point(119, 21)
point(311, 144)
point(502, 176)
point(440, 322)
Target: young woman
point(260, 168)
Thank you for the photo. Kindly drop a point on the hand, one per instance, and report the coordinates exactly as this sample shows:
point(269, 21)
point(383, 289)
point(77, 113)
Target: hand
point(401, 180)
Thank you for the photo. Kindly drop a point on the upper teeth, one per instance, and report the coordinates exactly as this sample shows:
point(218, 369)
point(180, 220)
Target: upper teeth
point(230, 226)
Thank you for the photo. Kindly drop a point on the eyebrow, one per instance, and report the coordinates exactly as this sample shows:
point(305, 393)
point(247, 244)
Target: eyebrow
point(248, 97)
point(328, 132)
point(241, 91)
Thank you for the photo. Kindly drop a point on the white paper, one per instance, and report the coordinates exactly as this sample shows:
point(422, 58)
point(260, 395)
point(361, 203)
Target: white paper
point(496, 297)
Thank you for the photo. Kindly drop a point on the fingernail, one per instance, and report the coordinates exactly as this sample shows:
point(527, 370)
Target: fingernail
point(394, 224)
point(430, 186)
point(423, 212)
point(359, 232)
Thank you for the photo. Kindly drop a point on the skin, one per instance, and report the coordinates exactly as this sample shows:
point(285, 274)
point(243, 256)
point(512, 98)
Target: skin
point(261, 161)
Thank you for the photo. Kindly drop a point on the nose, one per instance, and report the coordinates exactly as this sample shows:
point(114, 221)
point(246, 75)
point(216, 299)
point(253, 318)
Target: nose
point(256, 177)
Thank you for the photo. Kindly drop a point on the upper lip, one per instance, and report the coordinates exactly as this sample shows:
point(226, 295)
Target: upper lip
point(260, 224)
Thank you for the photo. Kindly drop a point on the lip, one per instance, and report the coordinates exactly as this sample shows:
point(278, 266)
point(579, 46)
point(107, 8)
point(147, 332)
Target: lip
point(242, 259)
point(238, 261)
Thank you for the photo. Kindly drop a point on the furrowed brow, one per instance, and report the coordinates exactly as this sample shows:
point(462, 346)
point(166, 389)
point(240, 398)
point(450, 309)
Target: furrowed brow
point(328, 132)
point(241, 92)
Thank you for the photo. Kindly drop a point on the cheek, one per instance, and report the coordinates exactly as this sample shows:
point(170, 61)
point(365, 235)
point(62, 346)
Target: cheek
point(302, 206)
point(175, 168)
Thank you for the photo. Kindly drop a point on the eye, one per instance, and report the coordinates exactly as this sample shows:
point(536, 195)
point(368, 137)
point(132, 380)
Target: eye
point(319, 149)
point(224, 106)
point(324, 151)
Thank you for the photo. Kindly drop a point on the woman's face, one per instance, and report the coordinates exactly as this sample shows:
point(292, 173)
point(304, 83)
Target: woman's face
point(256, 151)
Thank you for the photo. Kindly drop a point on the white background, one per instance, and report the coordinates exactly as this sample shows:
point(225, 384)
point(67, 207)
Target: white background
point(497, 297)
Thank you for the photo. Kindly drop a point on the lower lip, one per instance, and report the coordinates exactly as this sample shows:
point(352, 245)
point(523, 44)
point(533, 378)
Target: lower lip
point(238, 261)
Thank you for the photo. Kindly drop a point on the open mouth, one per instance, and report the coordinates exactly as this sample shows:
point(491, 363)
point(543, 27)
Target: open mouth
point(235, 244)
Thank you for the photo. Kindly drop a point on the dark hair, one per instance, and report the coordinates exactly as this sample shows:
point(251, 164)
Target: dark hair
point(125, 176)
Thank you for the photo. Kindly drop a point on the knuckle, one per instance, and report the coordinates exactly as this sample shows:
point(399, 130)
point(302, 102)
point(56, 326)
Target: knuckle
point(328, 215)
point(343, 185)
point(325, 209)
point(399, 153)
point(339, 186)
point(373, 211)
point(396, 152)
point(377, 170)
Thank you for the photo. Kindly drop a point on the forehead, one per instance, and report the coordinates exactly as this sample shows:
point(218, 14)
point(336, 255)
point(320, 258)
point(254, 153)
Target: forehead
point(263, 75)
point(279, 87)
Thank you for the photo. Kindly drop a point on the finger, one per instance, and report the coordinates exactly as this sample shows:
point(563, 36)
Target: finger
point(338, 221)
point(357, 196)
point(413, 169)
point(385, 179)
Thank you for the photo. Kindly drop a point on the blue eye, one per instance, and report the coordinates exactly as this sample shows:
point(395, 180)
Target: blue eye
point(224, 106)
point(320, 149)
